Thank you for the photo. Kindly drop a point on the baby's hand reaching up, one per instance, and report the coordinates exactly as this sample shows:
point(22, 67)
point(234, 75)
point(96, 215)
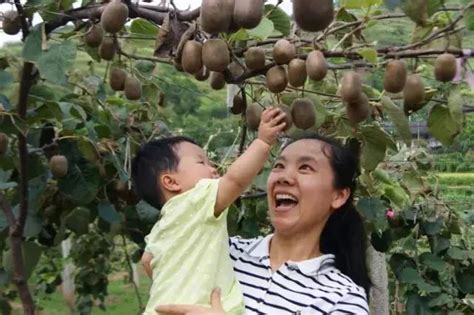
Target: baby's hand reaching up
point(272, 122)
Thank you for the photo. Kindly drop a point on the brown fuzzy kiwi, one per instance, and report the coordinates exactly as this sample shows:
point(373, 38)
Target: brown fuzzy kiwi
point(215, 55)
point(117, 78)
point(255, 58)
point(177, 65)
point(191, 58)
point(351, 87)
point(283, 52)
point(3, 143)
point(114, 16)
point(413, 94)
point(94, 35)
point(235, 69)
point(11, 24)
point(276, 79)
point(202, 74)
point(316, 65)
point(217, 80)
point(252, 116)
point(395, 76)
point(216, 15)
point(297, 72)
point(358, 111)
point(132, 88)
point(107, 48)
point(237, 105)
point(58, 165)
point(248, 13)
point(303, 113)
point(445, 67)
point(288, 117)
point(313, 16)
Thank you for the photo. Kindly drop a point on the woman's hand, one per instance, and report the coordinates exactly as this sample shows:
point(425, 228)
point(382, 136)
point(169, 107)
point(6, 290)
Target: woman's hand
point(215, 309)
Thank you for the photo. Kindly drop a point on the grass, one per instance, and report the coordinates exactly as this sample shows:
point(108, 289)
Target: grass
point(121, 300)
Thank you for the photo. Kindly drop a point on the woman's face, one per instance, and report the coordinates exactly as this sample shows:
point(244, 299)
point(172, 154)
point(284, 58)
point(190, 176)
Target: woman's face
point(301, 194)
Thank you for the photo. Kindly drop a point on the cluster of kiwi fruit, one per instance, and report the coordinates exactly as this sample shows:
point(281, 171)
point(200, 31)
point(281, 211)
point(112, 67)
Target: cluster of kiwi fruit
point(220, 16)
point(11, 23)
point(355, 100)
point(58, 165)
point(120, 80)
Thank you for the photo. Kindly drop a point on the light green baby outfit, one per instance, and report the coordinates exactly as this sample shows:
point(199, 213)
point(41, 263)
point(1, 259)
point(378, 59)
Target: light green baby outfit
point(191, 252)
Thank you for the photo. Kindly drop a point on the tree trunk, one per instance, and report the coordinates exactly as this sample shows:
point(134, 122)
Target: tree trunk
point(68, 276)
point(379, 299)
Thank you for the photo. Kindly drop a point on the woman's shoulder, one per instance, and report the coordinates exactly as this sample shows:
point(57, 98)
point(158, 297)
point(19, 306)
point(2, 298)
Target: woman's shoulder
point(239, 245)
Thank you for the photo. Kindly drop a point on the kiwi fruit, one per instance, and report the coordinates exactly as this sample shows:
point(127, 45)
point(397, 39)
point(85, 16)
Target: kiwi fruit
point(217, 80)
point(303, 113)
point(395, 76)
point(248, 13)
point(177, 65)
point(255, 58)
point(237, 105)
point(11, 24)
point(132, 88)
point(283, 52)
point(316, 65)
point(413, 93)
point(288, 117)
point(235, 69)
point(3, 143)
point(216, 15)
point(107, 48)
point(351, 87)
point(191, 58)
point(94, 35)
point(117, 78)
point(114, 16)
point(252, 116)
point(202, 74)
point(215, 55)
point(58, 165)
point(297, 72)
point(358, 111)
point(276, 79)
point(445, 67)
point(313, 16)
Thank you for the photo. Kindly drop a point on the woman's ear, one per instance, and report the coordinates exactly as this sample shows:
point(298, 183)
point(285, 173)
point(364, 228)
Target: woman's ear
point(169, 183)
point(340, 197)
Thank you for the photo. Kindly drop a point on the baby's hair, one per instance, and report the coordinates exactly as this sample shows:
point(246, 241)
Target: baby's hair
point(152, 159)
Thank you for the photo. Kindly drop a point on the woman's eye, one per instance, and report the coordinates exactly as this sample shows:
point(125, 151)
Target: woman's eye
point(306, 167)
point(201, 162)
point(278, 165)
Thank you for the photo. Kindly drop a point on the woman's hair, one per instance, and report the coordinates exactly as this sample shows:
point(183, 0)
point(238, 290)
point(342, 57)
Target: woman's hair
point(344, 233)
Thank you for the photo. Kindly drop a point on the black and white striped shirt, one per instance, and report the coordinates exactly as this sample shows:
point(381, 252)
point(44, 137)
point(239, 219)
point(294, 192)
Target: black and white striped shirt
point(313, 286)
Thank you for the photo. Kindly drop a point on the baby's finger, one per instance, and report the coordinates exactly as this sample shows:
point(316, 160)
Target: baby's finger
point(267, 114)
point(279, 118)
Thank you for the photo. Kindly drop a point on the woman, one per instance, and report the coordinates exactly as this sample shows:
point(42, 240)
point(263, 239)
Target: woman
point(314, 263)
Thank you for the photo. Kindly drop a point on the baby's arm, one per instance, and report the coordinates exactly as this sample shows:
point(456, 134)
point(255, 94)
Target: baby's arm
point(241, 173)
point(146, 263)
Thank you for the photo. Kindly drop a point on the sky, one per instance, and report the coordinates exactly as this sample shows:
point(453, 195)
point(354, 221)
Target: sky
point(180, 4)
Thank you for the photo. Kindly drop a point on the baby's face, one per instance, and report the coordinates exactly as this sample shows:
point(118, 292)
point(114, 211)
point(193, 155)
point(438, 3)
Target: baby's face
point(193, 165)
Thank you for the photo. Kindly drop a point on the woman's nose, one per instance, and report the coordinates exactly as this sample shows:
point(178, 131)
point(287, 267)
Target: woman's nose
point(285, 177)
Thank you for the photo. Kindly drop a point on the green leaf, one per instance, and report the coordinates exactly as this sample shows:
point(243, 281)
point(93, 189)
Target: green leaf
point(375, 146)
point(457, 253)
point(413, 182)
point(417, 305)
point(369, 54)
point(432, 227)
point(5, 182)
point(432, 261)
point(409, 276)
point(32, 49)
point(427, 287)
point(6, 78)
point(281, 20)
point(263, 30)
point(31, 255)
point(398, 262)
point(373, 209)
point(455, 105)
point(397, 195)
point(441, 299)
point(143, 26)
point(469, 19)
point(398, 118)
point(359, 4)
point(465, 279)
point(442, 125)
point(54, 63)
point(147, 213)
point(78, 220)
point(108, 213)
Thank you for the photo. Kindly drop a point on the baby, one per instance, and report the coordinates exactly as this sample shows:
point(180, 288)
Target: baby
point(186, 252)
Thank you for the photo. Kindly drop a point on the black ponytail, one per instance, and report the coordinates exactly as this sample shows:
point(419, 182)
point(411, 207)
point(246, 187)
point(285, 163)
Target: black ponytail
point(344, 234)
